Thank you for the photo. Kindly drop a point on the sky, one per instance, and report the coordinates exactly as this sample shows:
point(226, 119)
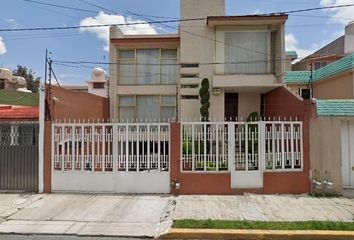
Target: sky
point(305, 32)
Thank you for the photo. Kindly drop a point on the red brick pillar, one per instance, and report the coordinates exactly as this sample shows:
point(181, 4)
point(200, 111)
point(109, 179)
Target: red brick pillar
point(175, 153)
point(47, 161)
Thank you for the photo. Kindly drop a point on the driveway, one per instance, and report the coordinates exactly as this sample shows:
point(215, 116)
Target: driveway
point(85, 215)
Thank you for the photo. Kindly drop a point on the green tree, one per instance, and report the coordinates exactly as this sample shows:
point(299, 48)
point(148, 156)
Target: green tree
point(29, 75)
point(204, 96)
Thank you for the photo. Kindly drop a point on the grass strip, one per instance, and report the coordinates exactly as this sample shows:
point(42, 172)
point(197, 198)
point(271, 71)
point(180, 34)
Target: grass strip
point(298, 225)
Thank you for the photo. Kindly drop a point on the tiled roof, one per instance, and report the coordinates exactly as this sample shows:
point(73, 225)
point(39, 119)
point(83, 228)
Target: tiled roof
point(25, 113)
point(301, 77)
point(335, 107)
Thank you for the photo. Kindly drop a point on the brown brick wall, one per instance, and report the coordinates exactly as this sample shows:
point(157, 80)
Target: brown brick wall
point(77, 105)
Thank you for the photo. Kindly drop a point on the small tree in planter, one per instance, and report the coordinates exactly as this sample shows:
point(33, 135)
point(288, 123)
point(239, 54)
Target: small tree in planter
point(204, 96)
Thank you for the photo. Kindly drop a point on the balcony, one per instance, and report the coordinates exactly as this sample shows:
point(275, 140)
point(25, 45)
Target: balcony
point(259, 82)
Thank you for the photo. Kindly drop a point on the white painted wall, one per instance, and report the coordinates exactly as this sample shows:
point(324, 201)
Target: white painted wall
point(120, 182)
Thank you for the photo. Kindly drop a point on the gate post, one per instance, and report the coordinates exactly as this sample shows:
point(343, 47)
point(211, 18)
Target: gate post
point(175, 155)
point(41, 139)
point(47, 161)
point(261, 144)
point(115, 147)
point(231, 145)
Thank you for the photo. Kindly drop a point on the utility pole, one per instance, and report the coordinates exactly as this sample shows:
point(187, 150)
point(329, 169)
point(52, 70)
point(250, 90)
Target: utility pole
point(45, 66)
point(50, 72)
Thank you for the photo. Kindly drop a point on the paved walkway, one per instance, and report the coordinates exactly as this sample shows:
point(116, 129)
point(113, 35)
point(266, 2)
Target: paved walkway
point(84, 215)
point(264, 208)
point(150, 216)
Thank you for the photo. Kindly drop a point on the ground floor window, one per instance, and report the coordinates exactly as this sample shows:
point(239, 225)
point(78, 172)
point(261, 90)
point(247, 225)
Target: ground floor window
point(150, 108)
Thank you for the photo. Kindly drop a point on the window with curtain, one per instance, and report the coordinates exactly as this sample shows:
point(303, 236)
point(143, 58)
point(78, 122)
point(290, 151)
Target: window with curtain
point(147, 108)
point(147, 67)
point(247, 52)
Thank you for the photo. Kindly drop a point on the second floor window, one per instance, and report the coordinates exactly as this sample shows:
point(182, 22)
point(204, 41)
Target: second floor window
point(147, 67)
point(247, 52)
point(319, 65)
point(244, 51)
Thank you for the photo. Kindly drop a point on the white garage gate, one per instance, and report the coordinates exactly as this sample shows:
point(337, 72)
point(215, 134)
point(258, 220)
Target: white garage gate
point(347, 135)
point(111, 157)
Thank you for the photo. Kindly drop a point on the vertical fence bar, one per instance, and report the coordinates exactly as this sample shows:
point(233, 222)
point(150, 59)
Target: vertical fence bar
point(159, 148)
point(126, 148)
point(205, 145)
point(148, 147)
point(103, 135)
point(115, 160)
point(217, 147)
point(301, 160)
point(282, 146)
point(246, 147)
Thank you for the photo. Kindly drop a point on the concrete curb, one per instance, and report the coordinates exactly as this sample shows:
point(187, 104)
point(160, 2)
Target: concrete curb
point(181, 233)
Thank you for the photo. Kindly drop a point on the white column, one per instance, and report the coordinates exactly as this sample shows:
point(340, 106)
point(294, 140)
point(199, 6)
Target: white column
point(41, 140)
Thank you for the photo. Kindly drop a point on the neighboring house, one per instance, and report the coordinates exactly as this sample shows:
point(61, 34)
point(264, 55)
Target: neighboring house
point(332, 52)
point(12, 83)
point(159, 76)
point(334, 81)
point(332, 124)
point(290, 56)
point(332, 143)
point(97, 85)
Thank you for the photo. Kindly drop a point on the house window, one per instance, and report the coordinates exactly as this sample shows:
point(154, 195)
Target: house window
point(151, 108)
point(147, 67)
point(319, 65)
point(98, 85)
point(244, 52)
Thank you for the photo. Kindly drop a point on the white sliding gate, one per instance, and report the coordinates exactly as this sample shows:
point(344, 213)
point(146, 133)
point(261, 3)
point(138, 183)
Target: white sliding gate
point(245, 149)
point(111, 157)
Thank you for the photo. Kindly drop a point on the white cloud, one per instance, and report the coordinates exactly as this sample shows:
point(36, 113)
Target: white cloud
point(292, 44)
point(103, 32)
point(340, 15)
point(2, 46)
point(256, 12)
point(11, 22)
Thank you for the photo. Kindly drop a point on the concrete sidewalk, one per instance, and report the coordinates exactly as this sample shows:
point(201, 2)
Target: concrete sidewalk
point(264, 208)
point(85, 215)
point(152, 215)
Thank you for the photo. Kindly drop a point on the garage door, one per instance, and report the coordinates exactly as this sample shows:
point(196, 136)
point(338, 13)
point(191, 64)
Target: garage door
point(347, 132)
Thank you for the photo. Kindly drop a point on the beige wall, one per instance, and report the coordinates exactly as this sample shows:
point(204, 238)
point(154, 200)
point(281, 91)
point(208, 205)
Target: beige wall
point(339, 87)
point(326, 149)
point(248, 103)
point(197, 49)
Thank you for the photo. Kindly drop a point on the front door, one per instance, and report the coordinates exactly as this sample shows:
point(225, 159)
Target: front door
point(347, 134)
point(231, 106)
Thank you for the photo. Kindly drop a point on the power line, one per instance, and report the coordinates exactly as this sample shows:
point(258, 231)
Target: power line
point(152, 22)
point(316, 9)
point(60, 6)
point(95, 25)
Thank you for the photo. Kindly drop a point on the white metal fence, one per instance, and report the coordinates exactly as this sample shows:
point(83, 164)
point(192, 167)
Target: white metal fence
point(272, 145)
point(110, 147)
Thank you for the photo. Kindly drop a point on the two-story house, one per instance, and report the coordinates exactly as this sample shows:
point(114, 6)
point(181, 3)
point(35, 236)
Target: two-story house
point(158, 76)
